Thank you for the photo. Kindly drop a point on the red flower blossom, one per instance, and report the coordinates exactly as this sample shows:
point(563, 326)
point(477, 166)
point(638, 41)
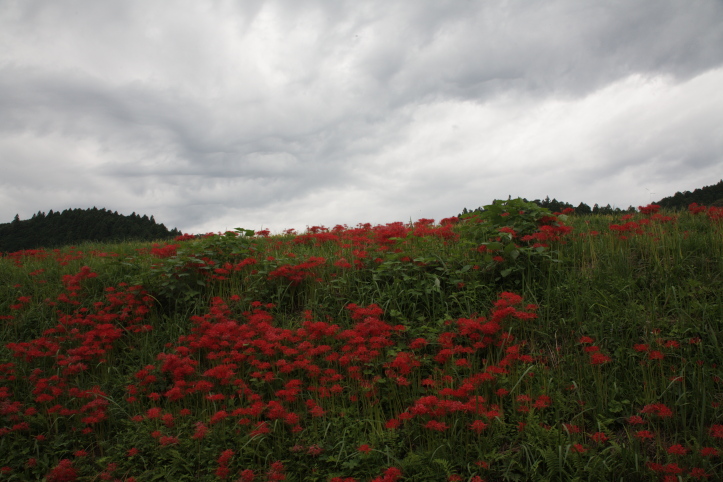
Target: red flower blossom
point(222, 471)
point(543, 401)
point(599, 359)
point(656, 355)
point(436, 426)
point(168, 440)
point(314, 450)
point(261, 428)
point(649, 209)
point(644, 434)
point(677, 449)
point(709, 452)
point(659, 409)
point(571, 428)
point(225, 457)
point(63, 472)
point(276, 471)
point(716, 431)
point(392, 474)
point(636, 420)
point(246, 475)
point(699, 473)
point(478, 426)
point(392, 424)
point(218, 416)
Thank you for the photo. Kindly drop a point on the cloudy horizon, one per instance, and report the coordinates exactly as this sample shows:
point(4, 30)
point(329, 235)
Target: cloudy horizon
point(285, 114)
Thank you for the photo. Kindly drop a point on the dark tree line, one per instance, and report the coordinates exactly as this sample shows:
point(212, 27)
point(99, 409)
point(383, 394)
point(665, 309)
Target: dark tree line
point(74, 226)
point(704, 196)
point(556, 206)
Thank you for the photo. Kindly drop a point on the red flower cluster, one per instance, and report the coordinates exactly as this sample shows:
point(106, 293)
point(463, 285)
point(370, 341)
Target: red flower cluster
point(82, 338)
point(714, 213)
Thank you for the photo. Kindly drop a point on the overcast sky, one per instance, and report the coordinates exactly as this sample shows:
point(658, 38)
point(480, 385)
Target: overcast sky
point(212, 115)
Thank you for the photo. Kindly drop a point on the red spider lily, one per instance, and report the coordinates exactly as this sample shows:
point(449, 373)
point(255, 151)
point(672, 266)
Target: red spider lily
point(694, 208)
point(166, 251)
point(218, 417)
point(154, 412)
point(261, 428)
point(63, 472)
point(168, 440)
point(656, 355)
point(644, 434)
point(649, 209)
point(436, 426)
point(201, 431)
point(276, 472)
point(392, 424)
point(314, 450)
point(570, 428)
point(599, 359)
point(543, 401)
point(392, 474)
point(297, 273)
point(659, 409)
point(524, 398)
point(222, 471)
point(709, 452)
point(246, 475)
point(677, 449)
point(478, 426)
point(629, 227)
point(699, 473)
point(501, 392)
point(636, 420)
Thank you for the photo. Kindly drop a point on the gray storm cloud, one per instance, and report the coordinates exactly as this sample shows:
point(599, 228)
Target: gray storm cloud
point(211, 114)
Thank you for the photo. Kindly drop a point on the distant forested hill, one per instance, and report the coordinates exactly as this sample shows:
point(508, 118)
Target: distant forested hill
point(705, 196)
point(558, 206)
point(74, 226)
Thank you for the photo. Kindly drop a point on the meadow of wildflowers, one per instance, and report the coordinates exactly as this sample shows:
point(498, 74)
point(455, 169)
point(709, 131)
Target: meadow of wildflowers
point(516, 344)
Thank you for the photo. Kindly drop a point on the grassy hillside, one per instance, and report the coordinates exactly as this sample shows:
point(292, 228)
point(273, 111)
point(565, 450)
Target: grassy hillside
point(510, 345)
